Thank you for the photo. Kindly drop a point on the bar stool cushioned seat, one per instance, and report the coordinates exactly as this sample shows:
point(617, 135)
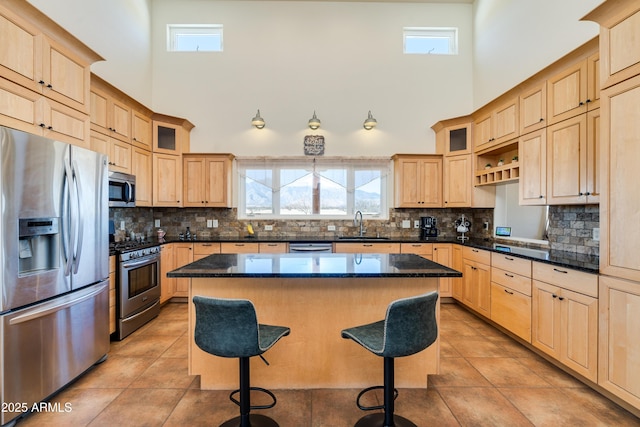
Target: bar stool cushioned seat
point(408, 328)
point(230, 328)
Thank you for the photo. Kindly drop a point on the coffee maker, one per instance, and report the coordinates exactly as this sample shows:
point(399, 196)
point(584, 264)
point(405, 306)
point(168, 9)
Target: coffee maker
point(428, 229)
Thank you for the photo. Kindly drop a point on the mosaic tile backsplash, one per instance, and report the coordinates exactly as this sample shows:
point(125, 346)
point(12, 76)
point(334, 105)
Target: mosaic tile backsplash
point(570, 227)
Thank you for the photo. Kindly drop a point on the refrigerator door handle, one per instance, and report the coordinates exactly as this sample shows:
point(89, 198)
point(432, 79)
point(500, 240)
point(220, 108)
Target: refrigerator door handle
point(67, 232)
point(52, 307)
point(79, 219)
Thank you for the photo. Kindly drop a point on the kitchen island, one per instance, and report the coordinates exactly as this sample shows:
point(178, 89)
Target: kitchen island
point(316, 295)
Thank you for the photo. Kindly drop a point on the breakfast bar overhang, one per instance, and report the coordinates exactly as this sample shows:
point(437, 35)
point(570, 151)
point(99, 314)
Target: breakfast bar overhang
point(316, 295)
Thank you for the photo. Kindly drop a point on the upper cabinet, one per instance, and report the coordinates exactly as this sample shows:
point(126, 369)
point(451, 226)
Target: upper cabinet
point(39, 55)
point(109, 115)
point(207, 180)
point(619, 40)
point(573, 90)
point(497, 125)
point(418, 181)
point(533, 108)
point(141, 129)
point(171, 135)
point(453, 136)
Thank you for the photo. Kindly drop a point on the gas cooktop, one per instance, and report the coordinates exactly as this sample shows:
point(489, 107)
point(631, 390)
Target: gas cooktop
point(131, 245)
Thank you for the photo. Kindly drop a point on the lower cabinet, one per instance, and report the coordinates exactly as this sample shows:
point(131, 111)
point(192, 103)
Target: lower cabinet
point(511, 294)
point(565, 322)
point(457, 264)
point(619, 355)
point(442, 255)
point(183, 255)
point(167, 264)
point(112, 294)
point(476, 289)
point(239, 248)
point(366, 248)
point(273, 248)
point(203, 250)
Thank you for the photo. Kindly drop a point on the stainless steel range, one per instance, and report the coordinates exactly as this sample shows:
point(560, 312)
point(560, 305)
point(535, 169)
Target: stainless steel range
point(137, 285)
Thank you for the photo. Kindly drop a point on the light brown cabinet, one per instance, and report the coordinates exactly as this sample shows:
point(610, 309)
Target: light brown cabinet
point(183, 255)
point(532, 155)
point(142, 168)
point(497, 125)
point(171, 135)
point(204, 249)
point(239, 247)
point(39, 55)
point(167, 264)
point(511, 294)
point(273, 248)
point(533, 108)
point(573, 91)
point(418, 181)
point(207, 180)
point(457, 264)
point(367, 248)
point(141, 134)
point(167, 180)
point(476, 288)
point(112, 294)
point(442, 254)
point(425, 250)
point(572, 160)
point(109, 115)
point(457, 181)
point(119, 152)
point(29, 111)
point(565, 317)
point(619, 364)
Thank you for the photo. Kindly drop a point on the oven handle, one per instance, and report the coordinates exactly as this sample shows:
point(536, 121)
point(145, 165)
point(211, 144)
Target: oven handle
point(140, 262)
point(143, 311)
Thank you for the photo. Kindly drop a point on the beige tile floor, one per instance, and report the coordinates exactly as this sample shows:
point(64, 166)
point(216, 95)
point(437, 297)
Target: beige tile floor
point(487, 379)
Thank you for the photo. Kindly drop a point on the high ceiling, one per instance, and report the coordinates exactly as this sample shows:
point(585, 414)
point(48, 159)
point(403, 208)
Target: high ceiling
point(389, 1)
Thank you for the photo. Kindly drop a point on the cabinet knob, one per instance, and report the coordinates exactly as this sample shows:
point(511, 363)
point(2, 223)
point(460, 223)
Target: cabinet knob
point(50, 127)
point(588, 100)
point(541, 119)
point(561, 298)
point(42, 125)
point(554, 296)
point(581, 103)
point(49, 86)
point(41, 82)
point(580, 194)
point(587, 194)
point(541, 196)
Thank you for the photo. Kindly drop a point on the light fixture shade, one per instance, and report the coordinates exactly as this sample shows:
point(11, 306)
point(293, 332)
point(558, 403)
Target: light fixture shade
point(314, 122)
point(258, 121)
point(370, 123)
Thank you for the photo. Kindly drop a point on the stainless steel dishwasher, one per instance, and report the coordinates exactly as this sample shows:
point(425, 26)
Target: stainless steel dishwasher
point(310, 247)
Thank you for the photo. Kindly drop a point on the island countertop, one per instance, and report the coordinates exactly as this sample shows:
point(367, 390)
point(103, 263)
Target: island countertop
point(314, 265)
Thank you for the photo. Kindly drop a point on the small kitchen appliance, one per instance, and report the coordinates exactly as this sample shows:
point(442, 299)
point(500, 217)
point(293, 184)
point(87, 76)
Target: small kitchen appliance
point(462, 226)
point(428, 229)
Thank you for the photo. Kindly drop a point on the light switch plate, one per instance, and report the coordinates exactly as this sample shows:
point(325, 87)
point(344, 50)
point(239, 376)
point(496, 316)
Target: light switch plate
point(209, 223)
point(596, 234)
point(268, 228)
point(416, 223)
point(215, 223)
point(406, 223)
point(121, 225)
point(331, 228)
point(157, 223)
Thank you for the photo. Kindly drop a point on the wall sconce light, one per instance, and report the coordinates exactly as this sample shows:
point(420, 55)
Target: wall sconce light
point(258, 121)
point(370, 123)
point(314, 122)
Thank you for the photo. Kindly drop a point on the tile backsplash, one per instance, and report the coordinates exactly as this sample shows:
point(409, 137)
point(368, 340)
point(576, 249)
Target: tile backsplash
point(570, 227)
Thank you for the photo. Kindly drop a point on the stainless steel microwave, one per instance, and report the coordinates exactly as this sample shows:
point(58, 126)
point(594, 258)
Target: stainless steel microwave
point(122, 190)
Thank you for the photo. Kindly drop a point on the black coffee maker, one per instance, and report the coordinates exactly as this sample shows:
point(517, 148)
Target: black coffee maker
point(428, 229)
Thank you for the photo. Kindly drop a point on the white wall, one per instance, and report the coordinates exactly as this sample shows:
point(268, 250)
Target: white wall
point(119, 31)
point(291, 58)
point(514, 39)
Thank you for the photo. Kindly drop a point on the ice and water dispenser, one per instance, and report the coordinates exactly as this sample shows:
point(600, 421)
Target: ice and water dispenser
point(38, 244)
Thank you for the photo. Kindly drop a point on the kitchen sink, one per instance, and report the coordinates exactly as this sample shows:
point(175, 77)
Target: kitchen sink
point(362, 238)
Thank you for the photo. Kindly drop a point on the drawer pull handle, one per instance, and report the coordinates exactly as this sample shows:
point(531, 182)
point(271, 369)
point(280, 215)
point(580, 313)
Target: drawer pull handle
point(367, 245)
point(509, 292)
point(508, 275)
point(272, 244)
point(508, 259)
point(560, 271)
point(239, 244)
point(474, 250)
point(207, 244)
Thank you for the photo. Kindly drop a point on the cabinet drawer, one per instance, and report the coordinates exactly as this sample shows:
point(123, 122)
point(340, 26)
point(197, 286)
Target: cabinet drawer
point(511, 310)
point(510, 263)
point(511, 280)
point(206, 248)
point(567, 278)
point(273, 248)
point(239, 247)
point(416, 248)
point(367, 248)
point(477, 255)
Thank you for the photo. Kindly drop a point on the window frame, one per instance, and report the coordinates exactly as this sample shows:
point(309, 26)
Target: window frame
point(381, 164)
point(196, 29)
point(450, 33)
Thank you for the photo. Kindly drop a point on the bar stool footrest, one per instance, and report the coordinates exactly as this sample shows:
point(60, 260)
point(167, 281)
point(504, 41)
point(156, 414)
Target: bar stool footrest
point(262, 390)
point(368, 389)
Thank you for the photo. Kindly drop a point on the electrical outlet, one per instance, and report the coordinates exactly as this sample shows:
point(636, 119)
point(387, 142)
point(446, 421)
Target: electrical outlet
point(157, 223)
point(268, 228)
point(596, 234)
point(406, 223)
point(331, 228)
point(209, 223)
point(215, 223)
point(416, 223)
point(121, 225)
point(486, 225)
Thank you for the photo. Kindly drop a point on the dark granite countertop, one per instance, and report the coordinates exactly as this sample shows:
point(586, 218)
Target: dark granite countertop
point(583, 262)
point(314, 265)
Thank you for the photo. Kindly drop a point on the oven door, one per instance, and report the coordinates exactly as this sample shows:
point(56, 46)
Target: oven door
point(139, 284)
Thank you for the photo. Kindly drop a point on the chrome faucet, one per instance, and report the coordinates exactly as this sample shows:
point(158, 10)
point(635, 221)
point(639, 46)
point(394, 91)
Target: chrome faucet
point(358, 224)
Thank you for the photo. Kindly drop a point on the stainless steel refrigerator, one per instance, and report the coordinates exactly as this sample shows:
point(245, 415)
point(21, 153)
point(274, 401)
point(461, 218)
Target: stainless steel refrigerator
point(54, 311)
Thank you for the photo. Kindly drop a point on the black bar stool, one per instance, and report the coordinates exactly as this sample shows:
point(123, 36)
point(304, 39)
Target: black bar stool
point(230, 328)
point(408, 328)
